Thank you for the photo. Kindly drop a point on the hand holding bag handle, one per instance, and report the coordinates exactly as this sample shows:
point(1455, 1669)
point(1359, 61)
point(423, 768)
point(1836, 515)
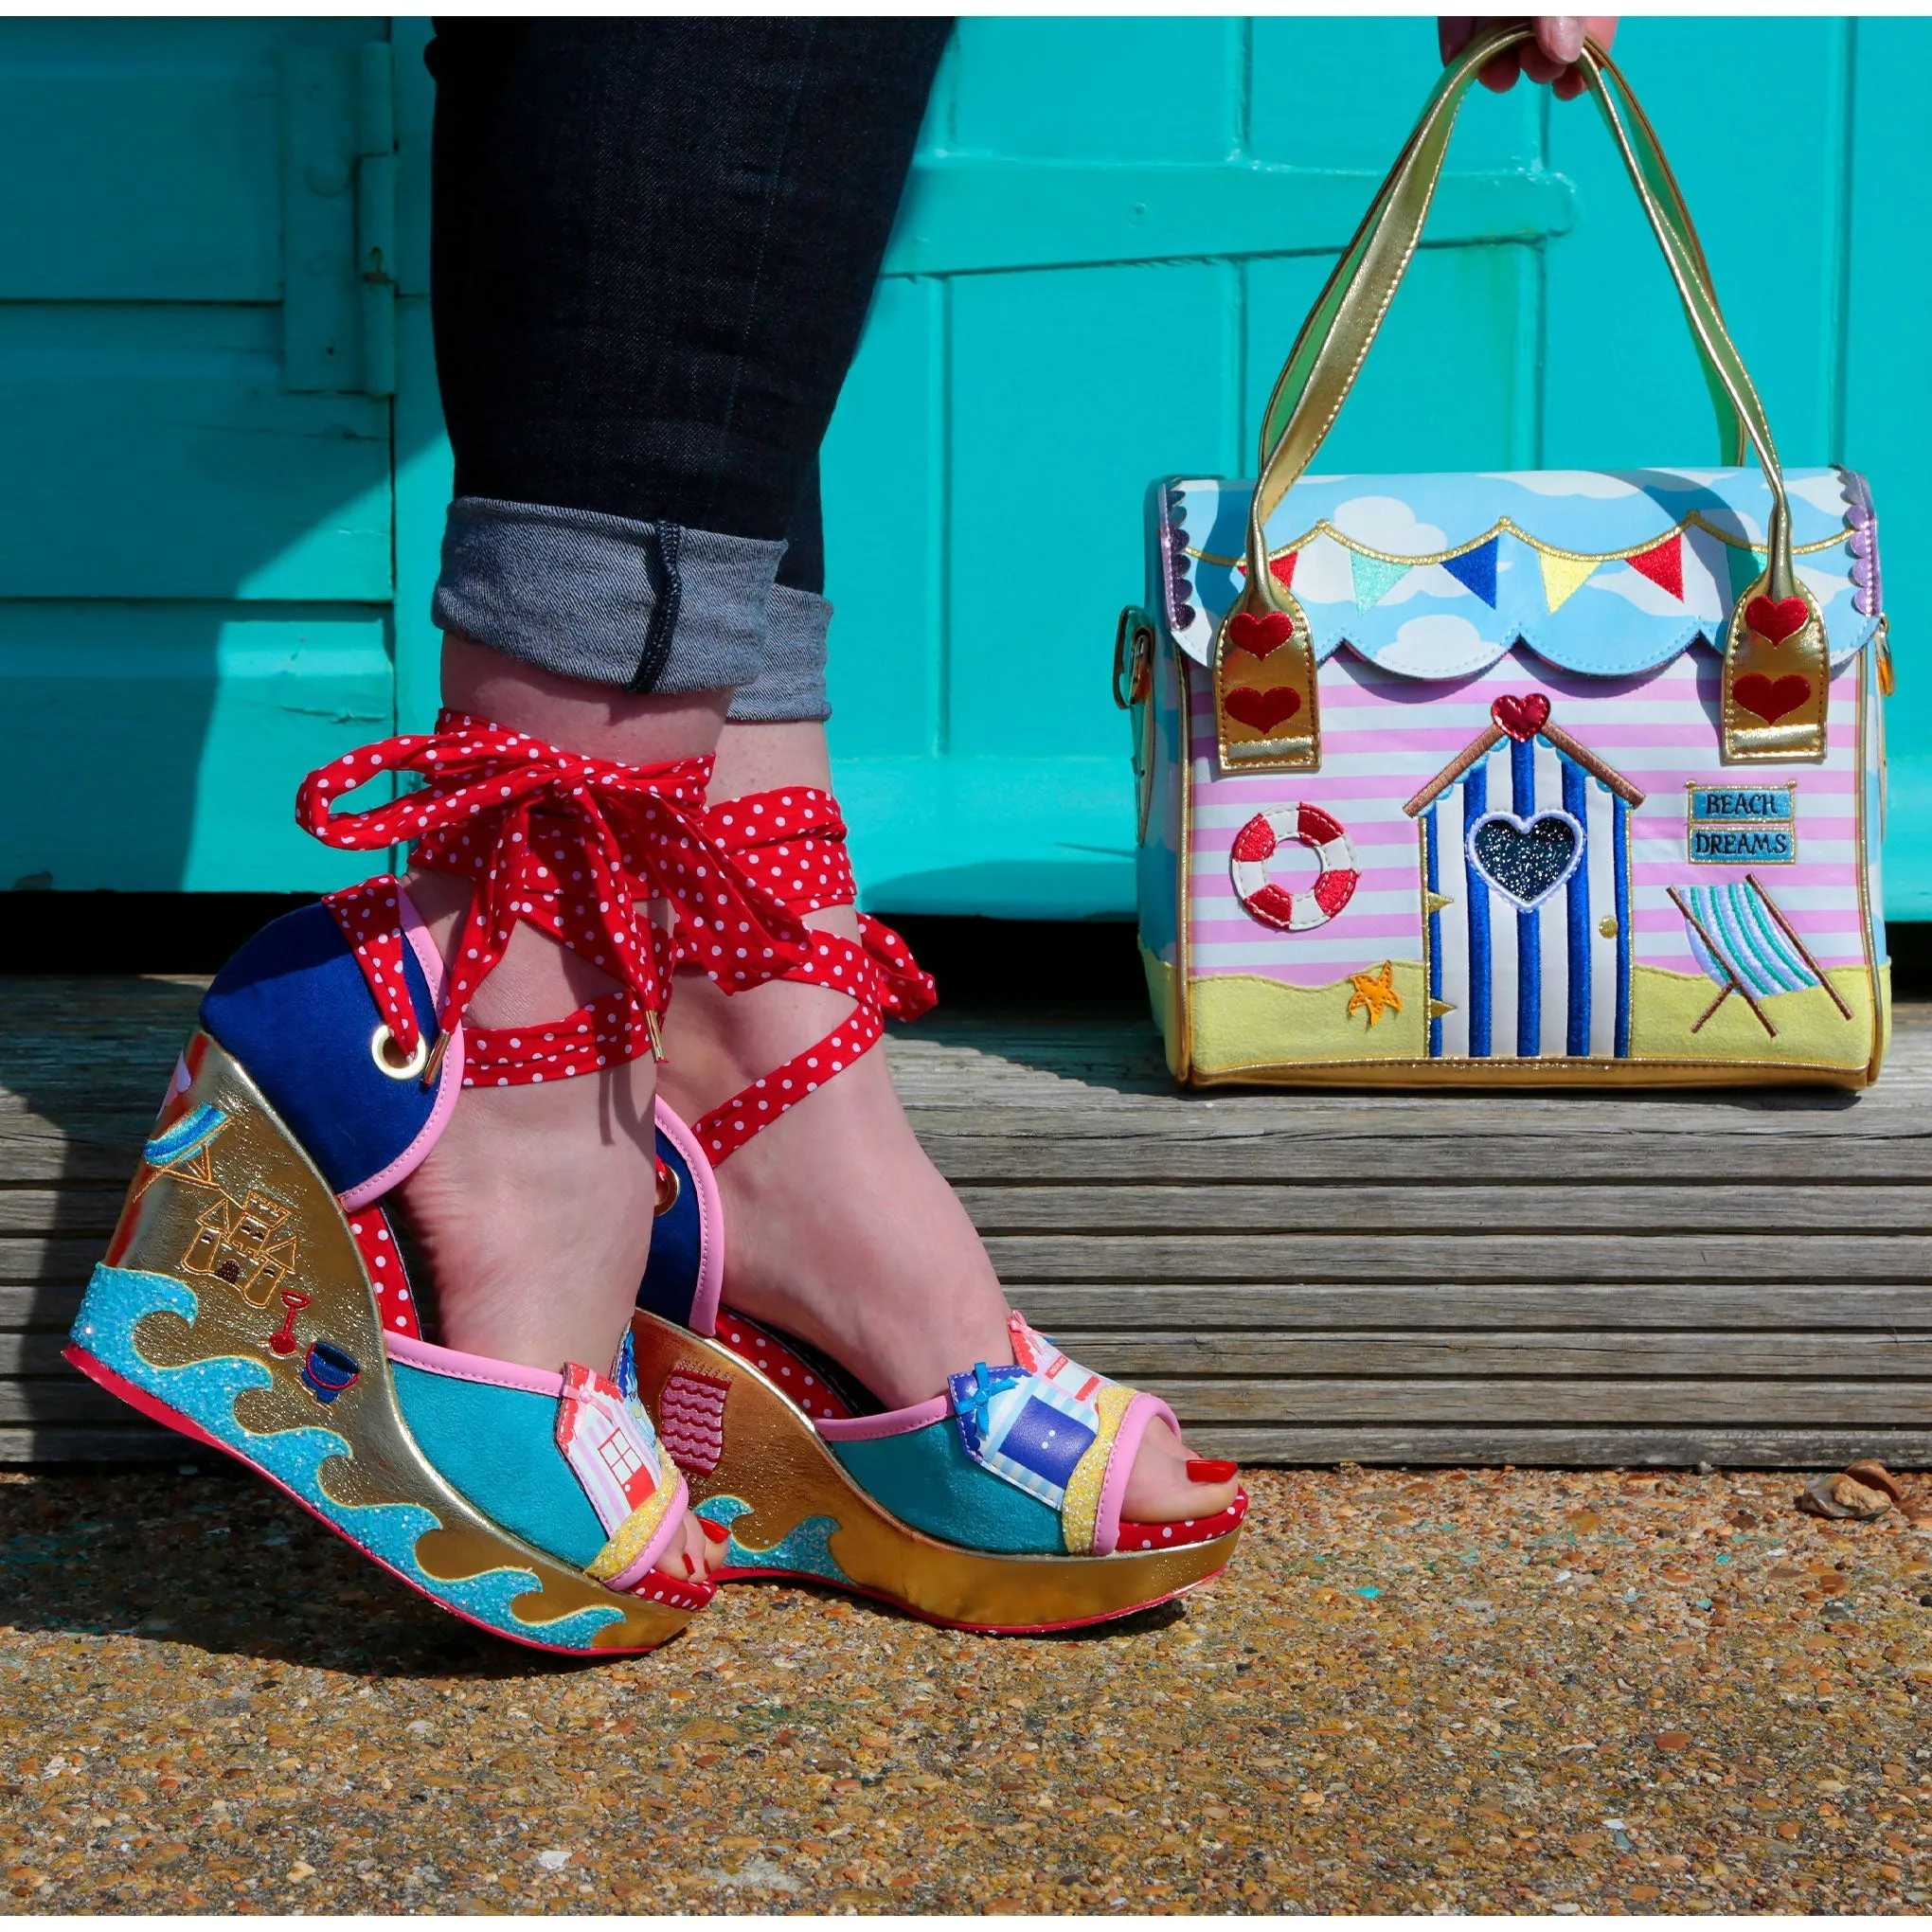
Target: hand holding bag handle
point(1774, 628)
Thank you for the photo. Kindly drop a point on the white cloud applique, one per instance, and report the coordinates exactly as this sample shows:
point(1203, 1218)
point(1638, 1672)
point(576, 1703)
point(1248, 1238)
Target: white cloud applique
point(1387, 523)
point(1823, 584)
point(1437, 646)
point(1321, 573)
point(1565, 482)
point(1826, 492)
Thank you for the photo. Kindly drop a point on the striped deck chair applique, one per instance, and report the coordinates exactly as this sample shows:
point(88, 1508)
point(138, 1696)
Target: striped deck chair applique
point(1742, 941)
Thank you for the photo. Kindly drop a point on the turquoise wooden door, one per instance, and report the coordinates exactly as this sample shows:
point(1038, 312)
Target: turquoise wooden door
point(222, 471)
point(196, 359)
point(1112, 231)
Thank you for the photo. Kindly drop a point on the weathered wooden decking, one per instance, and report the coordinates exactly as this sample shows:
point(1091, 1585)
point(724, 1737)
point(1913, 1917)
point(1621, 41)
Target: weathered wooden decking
point(1732, 1277)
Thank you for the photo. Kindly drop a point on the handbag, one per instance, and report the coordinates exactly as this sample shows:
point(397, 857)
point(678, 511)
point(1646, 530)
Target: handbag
point(1561, 778)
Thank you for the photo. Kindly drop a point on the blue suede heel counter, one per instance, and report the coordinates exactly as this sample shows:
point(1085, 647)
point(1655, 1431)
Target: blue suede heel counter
point(291, 1007)
point(671, 1276)
point(498, 1447)
point(926, 1478)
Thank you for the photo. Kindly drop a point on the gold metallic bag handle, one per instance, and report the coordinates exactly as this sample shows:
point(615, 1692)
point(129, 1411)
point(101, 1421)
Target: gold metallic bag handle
point(1264, 659)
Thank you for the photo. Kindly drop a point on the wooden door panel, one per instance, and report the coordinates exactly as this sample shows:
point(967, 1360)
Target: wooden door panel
point(158, 746)
point(1072, 167)
point(196, 523)
point(166, 461)
point(1070, 391)
point(1623, 380)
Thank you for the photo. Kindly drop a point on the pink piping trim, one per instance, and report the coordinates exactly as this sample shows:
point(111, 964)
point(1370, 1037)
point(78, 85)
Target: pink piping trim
point(462, 1367)
point(672, 1525)
point(449, 1084)
point(900, 1421)
point(704, 1318)
point(1144, 1409)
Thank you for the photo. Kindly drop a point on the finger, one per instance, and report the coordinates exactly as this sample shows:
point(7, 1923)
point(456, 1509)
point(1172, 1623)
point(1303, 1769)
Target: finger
point(1602, 27)
point(1499, 76)
point(1569, 84)
point(1538, 67)
point(1560, 38)
point(1454, 32)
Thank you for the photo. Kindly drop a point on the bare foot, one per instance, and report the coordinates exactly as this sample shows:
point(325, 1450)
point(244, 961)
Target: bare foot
point(534, 1208)
point(838, 1227)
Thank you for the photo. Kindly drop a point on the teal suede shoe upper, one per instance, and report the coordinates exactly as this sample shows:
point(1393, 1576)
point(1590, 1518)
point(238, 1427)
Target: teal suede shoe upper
point(926, 1478)
point(498, 1447)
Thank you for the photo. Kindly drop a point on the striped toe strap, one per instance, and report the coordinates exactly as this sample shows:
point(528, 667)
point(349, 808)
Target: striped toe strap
point(1069, 1437)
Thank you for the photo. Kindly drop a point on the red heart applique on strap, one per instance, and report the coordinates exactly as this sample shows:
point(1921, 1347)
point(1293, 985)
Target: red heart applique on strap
point(1522, 718)
point(1777, 620)
point(1259, 632)
point(1263, 711)
point(1757, 693)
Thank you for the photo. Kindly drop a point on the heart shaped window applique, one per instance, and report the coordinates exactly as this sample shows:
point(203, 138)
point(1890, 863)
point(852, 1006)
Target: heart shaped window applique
point(1527, 860)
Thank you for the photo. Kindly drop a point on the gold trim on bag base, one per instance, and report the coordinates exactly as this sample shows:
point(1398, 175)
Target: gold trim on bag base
point(234, 1305)
point(796, 1493)
point(1576, 1075)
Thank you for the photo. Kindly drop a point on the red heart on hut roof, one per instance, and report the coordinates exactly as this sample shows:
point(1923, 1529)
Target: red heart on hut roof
point(1522, 718)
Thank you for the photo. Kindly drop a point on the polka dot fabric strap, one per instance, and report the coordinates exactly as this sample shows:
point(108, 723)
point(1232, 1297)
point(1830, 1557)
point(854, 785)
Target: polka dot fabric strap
point(576, 846)
point(792, 842)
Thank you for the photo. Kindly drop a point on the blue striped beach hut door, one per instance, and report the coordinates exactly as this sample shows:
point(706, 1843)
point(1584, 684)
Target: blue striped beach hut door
point(1509, 977)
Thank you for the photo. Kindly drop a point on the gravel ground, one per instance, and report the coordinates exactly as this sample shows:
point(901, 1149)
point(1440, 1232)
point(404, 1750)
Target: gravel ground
point(1486, 1690)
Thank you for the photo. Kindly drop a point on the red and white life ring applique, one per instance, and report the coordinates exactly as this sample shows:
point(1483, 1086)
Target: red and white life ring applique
point(1258, 841)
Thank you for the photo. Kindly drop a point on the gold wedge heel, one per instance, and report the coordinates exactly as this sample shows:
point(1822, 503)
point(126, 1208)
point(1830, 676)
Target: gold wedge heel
point(235, 1306)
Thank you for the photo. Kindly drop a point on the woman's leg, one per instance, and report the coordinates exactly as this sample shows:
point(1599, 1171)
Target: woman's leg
point(523, 1273)
point(653, 242)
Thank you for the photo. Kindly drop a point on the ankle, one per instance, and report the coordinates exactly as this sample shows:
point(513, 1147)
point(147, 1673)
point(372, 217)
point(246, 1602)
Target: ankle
point(520, 1272)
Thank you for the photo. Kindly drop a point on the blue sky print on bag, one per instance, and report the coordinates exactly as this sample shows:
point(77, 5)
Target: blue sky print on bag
point(1437, 576)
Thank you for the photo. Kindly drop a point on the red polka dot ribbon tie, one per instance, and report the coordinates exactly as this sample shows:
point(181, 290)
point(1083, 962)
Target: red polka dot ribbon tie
point(578, 847)
point(792, 843)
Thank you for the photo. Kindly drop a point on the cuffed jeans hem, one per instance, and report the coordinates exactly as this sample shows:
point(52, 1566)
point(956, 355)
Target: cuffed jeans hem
point(588, 596)
point(790, 684)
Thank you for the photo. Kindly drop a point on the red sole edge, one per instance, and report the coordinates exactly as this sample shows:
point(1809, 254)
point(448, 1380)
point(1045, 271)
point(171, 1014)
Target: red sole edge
point(158, 1411)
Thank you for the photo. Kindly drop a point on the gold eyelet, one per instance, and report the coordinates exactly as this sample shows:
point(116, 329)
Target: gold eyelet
point(669, 1186)
point(381, 1043)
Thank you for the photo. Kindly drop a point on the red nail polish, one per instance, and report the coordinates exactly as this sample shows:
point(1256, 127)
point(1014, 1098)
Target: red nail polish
point(717, 1533)
point(1206, 1469)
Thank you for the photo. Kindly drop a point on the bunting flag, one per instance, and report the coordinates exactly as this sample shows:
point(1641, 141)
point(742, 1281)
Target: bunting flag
point(1283, 569)
point(1664, 566)
point(1563, 577)
point(1475, 570)
point(1374, 578)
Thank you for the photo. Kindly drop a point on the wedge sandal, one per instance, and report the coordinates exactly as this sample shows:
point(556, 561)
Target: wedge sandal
point(255, 1297)
point(995, 1506)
